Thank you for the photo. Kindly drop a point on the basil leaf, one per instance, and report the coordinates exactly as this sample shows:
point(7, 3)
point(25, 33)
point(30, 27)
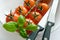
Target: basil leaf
point(21, 20)
point(10, 26)
point(23, 32)
point(31, 27)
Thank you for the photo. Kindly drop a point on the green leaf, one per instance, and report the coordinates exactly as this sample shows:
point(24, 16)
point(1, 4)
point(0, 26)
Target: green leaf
point(23, 32)
point(31, 27)
point(10, 26)
point(21, 20)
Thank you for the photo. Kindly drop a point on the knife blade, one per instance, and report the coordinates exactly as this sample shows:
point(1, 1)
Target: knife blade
point(51, 20)
point(41, 26)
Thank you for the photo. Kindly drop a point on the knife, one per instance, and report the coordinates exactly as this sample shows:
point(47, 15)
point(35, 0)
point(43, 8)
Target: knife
point(41, 26)
point(51, 20)
point(42, 23)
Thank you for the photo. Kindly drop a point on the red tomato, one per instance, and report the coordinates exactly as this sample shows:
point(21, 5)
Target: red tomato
point(12, 17)
point(45, 1)
point(42, 8)
point(27, 23)
point(28, 32)
point(21, 10)
point(28, 20)
point(29, 3)
point(35, 16)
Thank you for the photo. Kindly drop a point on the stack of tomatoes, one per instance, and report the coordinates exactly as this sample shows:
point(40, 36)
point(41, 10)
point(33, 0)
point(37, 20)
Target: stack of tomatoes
point(35, 15)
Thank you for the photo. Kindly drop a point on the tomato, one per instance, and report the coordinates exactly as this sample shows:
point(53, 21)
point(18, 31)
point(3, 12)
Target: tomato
point(42, 8)
point(16, 17)
point(35, 16)
point(12, 17)
point(29, 3)
point(21, 10)
point(28, 32)
point(46, 1)
point(27, 23)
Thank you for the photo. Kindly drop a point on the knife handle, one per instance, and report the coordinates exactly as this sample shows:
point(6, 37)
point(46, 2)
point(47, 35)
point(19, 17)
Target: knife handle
point(47, 31)
point(34, 34)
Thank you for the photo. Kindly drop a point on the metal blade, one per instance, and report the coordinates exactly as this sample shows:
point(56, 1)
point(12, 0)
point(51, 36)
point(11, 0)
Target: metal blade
point(51, 21)
point(53, 11)
point(41, 26)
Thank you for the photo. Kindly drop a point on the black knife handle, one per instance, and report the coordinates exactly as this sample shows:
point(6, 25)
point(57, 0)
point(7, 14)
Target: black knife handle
point(34, 34)
point(47, 31)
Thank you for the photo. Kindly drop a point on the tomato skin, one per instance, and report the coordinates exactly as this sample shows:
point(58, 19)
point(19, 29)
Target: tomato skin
point(29, 3)
point(43, 8)
point(14, 18)
point(37, 19)
point(21, 10)
point(28, 20)
point(8, 19)
point(28, 32)
point(45, 1)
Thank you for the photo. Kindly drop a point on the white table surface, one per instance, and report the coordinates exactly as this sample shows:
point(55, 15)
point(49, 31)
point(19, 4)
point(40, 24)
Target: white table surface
point(4, 35)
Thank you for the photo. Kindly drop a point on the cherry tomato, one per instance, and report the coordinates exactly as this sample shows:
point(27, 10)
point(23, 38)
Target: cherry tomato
point(28, 32)
point(35, 16)
point(45, 1)
point(28, 20)
point(12, 17)
point(27, 23)
point(21, 10)
point(29, 3)
point(42, 8)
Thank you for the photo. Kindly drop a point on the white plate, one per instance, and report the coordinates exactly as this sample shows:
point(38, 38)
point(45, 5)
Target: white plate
point(5, 7)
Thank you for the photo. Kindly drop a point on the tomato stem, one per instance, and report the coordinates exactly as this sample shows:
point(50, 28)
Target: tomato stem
point(33, 7)
point(28, 4)
point(40, 8)
point(11, 15)
point(20, 10)
point(35, 15)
